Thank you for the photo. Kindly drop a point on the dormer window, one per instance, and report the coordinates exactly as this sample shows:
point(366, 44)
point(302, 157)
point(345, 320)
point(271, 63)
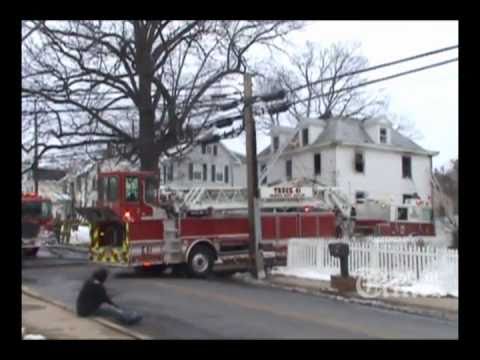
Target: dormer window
point(275, 143)
point(305, 136)
point(383, 135)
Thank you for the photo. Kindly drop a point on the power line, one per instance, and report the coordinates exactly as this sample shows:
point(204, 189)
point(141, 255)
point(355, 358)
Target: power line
point(379, 80)
point(371, 68)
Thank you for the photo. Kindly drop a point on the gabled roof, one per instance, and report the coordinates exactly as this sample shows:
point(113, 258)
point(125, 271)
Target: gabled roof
point(50, 174)
point(241, 157)
point(351, 131)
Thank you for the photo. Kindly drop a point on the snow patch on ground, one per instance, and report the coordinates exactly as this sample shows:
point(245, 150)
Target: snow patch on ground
point(306, 273)
point(81, 236)
point(34, 337)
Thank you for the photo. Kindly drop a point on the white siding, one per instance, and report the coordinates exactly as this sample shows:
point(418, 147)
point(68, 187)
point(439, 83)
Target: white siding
point(303, 166)
point(222, 159)
point(382, 178)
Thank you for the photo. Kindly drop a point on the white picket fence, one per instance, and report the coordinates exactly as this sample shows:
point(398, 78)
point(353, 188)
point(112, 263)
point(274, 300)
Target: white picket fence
point(400, 263)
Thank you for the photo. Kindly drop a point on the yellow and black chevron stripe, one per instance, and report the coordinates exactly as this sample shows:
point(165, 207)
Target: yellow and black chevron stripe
point(100, 254)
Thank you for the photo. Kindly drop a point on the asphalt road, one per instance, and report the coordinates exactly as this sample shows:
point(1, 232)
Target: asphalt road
point(181, 308)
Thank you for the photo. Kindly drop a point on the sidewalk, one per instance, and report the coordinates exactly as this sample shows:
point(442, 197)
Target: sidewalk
point(445, 308)
point(41, 316)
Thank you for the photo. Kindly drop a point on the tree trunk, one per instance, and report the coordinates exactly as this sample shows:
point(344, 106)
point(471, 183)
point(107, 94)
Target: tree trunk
point(147, 153)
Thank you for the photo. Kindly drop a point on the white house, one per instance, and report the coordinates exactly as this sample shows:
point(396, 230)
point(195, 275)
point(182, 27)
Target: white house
point(365, 159)
point(212, 165)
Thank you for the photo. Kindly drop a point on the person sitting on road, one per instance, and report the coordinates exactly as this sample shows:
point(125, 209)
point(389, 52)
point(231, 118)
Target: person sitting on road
point(94, 300)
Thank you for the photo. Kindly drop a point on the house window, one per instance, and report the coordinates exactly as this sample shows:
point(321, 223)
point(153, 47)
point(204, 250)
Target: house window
point(226, 174)
point(204, 149)
point(263, 168)
point(383, 135)
point(219, 177)
point(402, 213)
point(197, 175)
point(360, 197)
point(190, 171)
point(164, 174)
point(170, 173)
point(275, 143)
point(407, 197)
point(204, 172)
point(317, 163)
point(101, 188)
point(288, 169)
point(213, 173)
point(112, 188)
point(359, 162)
point(94, 184)
point(305, 136)
point(407, 167)
point(215, 151)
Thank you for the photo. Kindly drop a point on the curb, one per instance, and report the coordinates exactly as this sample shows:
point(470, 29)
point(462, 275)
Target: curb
point(106, 323)
point(330, 294)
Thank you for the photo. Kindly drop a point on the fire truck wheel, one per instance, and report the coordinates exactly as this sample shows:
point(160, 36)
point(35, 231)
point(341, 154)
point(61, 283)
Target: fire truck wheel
point(200, 261)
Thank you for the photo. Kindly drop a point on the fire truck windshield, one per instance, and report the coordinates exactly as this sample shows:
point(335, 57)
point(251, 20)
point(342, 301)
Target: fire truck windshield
point(151, 189)
point(37, 209)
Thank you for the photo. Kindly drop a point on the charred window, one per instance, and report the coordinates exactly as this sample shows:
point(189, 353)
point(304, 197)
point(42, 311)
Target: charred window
point(407, 167)
point(288, 169)
point(359, 162)
point(402, 213)
point(317, 163)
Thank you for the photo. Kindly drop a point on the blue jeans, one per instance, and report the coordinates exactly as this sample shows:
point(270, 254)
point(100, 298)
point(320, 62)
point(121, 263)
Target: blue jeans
point(122, 316)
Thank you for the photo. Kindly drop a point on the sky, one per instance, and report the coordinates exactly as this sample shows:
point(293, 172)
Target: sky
point(429, 98)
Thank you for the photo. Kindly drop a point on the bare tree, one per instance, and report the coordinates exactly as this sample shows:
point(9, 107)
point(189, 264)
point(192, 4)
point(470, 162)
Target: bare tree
point(331, 97)
point(405, 126)
point(90, 73)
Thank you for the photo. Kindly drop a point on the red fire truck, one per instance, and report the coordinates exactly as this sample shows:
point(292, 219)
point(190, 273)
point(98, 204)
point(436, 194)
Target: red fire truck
point(37, 222)
point(207, 229)
point(131, 226)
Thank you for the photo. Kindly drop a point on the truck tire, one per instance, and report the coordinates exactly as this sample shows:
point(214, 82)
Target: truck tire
point(200, 261)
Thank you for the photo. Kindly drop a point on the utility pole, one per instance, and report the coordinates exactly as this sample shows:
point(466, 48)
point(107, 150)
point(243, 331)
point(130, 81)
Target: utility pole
point(254, 219)
point(35, 149)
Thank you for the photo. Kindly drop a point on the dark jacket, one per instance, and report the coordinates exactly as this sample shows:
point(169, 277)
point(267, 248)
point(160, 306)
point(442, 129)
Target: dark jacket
point(91, 296)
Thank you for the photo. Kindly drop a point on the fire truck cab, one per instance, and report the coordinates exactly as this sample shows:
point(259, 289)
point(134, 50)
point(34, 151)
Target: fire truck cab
point(37, 222)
